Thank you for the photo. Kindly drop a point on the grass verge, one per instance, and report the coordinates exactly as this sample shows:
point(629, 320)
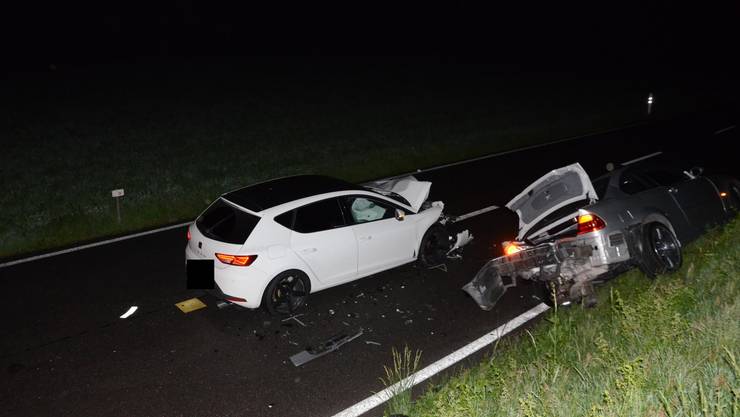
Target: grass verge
point(664, 347)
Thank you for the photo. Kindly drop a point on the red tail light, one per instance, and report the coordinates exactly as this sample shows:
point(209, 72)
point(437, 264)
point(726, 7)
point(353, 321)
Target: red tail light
point(588, 223)
point(511, 248)
point(236, 260)
point(188, 234)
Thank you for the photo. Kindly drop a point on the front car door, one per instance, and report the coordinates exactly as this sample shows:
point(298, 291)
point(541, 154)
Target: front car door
point(697, 197)
point(322, 240)
point(646, 198)
point(383, 242)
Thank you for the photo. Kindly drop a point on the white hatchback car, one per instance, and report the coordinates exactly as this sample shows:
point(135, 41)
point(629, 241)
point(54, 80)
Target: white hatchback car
point(275, 242)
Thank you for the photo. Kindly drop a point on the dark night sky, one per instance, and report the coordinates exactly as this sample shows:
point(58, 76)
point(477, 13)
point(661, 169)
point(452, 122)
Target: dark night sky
point(648, 39)
point(652, 34)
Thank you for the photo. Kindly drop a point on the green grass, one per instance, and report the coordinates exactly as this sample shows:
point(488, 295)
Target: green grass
point(664, 347)
point(174, 143)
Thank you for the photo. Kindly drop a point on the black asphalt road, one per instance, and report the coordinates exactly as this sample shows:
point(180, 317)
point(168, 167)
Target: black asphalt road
point(64, 351)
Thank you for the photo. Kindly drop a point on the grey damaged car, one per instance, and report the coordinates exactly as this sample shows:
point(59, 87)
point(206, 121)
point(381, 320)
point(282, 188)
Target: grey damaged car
point(573, 231)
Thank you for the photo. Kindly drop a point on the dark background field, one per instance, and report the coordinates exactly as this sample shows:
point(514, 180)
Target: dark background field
point(179, 101)
point(177, 133)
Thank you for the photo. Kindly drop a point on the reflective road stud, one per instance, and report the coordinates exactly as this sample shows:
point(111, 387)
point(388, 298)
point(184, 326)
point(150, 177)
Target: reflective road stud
point(190, 305)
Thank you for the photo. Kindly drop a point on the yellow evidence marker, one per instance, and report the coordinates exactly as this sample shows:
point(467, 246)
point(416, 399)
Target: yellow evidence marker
point(190, 305)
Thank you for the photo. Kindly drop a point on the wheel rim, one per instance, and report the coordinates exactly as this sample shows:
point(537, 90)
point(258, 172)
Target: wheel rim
point(665, 247)
point(289, 294)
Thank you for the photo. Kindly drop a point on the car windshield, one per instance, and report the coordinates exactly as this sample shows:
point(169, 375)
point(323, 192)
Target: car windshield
point(225, 222)
point(392, 195)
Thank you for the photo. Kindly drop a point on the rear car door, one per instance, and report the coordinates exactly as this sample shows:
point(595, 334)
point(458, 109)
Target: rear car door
point(697, 197)
point(322, 240)
point(382, 241)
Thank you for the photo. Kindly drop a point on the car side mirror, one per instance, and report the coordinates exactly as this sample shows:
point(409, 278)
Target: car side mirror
point(400, 215)
point(696, 171)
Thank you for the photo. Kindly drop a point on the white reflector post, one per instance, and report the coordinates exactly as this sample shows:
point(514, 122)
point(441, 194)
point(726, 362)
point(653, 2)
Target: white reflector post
point(650, 104)
point(131, 310)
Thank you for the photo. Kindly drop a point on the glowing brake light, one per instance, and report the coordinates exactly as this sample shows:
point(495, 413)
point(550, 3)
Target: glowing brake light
point(511, 248)
point(236, 260)
point(588, 223)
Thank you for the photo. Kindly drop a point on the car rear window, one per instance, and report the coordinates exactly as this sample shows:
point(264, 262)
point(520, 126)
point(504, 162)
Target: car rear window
point(226, 223)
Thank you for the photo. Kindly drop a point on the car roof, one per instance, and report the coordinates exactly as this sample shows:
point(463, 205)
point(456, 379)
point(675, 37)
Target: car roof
point(271, 193)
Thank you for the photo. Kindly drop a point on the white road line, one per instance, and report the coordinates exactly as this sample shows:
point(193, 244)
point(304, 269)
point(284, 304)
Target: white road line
point(379, 398)
point(526, 148)
point(724, 130)
point(418, 171)
point(475, 213)
point(632, 161)
point(91, 245)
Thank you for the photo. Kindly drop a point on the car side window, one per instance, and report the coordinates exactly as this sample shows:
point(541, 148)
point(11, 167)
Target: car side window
point(630, 183)
point(363, 210)
point(665, 177)
point(319, 216)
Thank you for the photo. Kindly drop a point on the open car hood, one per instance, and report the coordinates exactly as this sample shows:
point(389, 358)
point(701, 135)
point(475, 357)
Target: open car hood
point(414, 191)
point(558, 188)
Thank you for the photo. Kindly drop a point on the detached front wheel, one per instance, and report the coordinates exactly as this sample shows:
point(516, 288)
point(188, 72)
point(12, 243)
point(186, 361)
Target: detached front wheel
point(434, 246)
point(286, 293)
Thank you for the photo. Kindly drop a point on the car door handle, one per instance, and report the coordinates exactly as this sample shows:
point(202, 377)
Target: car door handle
point(309, 250)
point(673, 190)
point(368, 237)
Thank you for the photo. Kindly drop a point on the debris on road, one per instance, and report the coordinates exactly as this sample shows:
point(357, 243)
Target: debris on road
point(324, 348)
point(370, 342)
point(295, 317)
point(190, 305)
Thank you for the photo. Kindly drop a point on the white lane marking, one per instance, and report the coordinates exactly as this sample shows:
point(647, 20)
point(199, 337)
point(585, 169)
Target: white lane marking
point(379, 398)
point(130, 311)
point(632, 161)
point(475, 213)
point(91, 245)
point(526, 148)
point(724, 130)
point(418, 171)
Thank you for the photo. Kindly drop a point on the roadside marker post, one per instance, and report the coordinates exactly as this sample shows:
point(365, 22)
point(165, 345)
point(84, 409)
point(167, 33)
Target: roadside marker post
point(650, 104)
point(117, 194)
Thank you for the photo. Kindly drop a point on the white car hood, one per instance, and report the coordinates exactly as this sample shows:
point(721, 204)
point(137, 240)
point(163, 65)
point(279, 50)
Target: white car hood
point(556, 189)
point(414, 191)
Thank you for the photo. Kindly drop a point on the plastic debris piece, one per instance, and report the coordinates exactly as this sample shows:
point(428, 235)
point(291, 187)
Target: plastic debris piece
point(324, 348)
point(370, 342)
point(295, 318)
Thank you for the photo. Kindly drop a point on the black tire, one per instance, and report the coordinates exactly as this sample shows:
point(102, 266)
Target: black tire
point(434, 246)
point(286, 293)
point(661, 251)
point(551, 293)
point(735, 197)
point(547, 295)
